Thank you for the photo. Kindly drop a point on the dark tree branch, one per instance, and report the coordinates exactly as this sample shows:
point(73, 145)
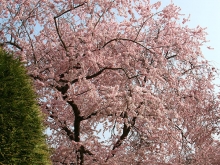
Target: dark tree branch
point(192, 67)
point(63, 89)
point(144, 24)
point(81, 150)
point(88, 117)
point(11, 43)
point(103, 14)
point(72, 8)
point(75, 135)
point(126, 39)
point(77, 120)
point(102, 70)
point(57, 28)
point(32, 46)
point(69, 133)
point(59, 35)
point(126, 131)
point(171, 57)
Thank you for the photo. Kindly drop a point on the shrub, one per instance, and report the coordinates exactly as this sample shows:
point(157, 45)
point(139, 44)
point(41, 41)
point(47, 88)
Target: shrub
point(21, 139)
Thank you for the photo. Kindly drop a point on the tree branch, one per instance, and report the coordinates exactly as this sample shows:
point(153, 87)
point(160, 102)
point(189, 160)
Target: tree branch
point(170, 57)
point(59, 15)
point(69, 133)
point(31, 42)
point(102, 70)
point(56, 25)
point(77, 120)
point(126, 130)
point(144, 23)
point(59, 35)
point(126, 39)
point(63, 89)
point(11, 43)
point(81, 150)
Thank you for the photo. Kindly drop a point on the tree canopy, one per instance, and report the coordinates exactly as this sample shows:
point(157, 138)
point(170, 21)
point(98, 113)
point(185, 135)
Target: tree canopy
point(135, 69)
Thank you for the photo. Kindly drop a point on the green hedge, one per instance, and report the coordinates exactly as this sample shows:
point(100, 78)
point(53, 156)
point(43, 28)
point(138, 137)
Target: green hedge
point(21, 131)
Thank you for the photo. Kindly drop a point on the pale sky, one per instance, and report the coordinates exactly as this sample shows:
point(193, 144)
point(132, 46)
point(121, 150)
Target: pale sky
point(205, 13)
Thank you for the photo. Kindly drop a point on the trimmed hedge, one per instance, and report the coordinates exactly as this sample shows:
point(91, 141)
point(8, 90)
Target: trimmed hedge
point(21, 130)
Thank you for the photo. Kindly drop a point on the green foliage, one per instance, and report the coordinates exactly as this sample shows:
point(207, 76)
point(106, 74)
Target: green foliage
point(21, 130)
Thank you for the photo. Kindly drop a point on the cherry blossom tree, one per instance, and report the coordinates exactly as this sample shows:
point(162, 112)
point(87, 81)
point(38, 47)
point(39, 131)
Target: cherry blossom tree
point(127, 67)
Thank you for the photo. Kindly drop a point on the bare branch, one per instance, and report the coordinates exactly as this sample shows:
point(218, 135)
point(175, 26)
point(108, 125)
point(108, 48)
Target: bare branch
point(144, 24)
point(171, 57)
point(56, 25)
point(126, 39)
point(126, 131)
point(59, 15)
point(32, 46)
point(59, 35)
point(11, 43)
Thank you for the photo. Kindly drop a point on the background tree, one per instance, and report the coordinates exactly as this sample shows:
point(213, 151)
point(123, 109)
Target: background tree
point(124, 65)
point(21, 139)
